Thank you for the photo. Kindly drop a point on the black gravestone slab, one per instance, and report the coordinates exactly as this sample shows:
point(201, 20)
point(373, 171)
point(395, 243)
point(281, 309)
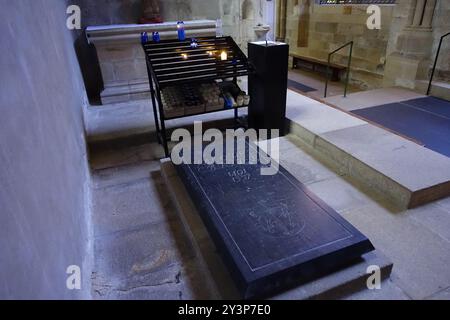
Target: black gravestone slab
point(271, 231)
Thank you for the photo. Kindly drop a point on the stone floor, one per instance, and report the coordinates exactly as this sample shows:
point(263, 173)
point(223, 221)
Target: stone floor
point(317, 81)
point(143, 252)
point(417, 241)
point(140, 248)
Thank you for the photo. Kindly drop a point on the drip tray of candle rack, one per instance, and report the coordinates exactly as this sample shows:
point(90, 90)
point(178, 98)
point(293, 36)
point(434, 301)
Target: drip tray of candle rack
point(199, 98)
point(270, 230)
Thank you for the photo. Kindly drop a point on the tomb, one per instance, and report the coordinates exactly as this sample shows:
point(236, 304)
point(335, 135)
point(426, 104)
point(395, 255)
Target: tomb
point(271, 231)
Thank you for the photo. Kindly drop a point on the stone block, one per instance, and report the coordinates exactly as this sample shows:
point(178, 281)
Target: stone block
point(115, 53)
point(414, 42)
point(373, 156)
point(111, 99)
point(401, 71)
point(140, 68)
point(125, 70)
point(107, 72)
point(326, 27)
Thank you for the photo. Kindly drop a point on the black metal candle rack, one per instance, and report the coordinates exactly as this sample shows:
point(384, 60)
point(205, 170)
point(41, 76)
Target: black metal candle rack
point(173, 63)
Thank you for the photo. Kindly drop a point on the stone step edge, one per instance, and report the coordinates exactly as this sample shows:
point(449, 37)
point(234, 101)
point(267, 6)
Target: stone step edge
point(376, 182)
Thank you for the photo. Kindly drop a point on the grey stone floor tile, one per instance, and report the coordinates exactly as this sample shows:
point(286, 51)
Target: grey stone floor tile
point(118, 120)
point(126, 156)
point(306, 169)
point(442, 295)
point(444, 203)
point(421, 257)
point(149, 256)
point(186, 282)
point(340, 195)
point(433, 217)
point(126, 206)
point(124, 174)
point(389, 291)
point(303, 166)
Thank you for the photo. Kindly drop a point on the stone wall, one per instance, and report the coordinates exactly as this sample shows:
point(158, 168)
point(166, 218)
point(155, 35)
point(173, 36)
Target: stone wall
point(122, 60)
point(44, 220)
point(239, 16)
point(332, 26)
point(441, 25)
point(395, 55)
point(413, 44)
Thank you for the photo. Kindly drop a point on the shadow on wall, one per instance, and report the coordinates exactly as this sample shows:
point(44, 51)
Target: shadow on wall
point(100, 12)
point(90, 68)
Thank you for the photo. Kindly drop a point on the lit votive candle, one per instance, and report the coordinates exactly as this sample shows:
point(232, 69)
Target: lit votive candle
point(224, 56)
point(184, 56)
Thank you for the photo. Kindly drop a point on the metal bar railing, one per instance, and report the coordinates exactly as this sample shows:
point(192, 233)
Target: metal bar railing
point(348, 67)
point(435, 63)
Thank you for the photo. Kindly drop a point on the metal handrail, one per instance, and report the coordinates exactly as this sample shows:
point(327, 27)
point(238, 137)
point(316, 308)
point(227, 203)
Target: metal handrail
point(348, 67)
point(435, 62)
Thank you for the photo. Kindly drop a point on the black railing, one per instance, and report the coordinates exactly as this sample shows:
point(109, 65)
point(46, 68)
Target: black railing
point(348, 67)
point(435, 63)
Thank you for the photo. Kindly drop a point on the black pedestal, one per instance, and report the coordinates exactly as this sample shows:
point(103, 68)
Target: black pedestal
point(268, 85)
point(271, 231)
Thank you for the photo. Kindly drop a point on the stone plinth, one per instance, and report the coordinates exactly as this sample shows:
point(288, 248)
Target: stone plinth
point(122, 60)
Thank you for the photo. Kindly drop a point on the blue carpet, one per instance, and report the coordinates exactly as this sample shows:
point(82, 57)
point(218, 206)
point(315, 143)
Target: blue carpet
point(426, 120)
point(430, 104)
point(300, 87)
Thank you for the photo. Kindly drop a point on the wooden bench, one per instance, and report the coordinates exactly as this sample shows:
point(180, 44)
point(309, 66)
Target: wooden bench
point(317, 65)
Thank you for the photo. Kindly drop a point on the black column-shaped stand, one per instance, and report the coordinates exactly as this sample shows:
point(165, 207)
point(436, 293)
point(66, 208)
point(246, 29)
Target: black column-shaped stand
point(268, 85)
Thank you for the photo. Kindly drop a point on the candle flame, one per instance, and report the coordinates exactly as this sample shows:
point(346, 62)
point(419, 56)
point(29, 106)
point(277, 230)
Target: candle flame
point(224, 56)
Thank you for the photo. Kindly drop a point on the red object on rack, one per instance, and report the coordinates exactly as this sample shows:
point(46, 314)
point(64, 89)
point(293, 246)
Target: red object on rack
point(149, 21)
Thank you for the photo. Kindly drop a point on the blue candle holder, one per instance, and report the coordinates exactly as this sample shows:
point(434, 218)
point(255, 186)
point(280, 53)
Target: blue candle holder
point(181, 32)
point(144, 37)
point(156, 37)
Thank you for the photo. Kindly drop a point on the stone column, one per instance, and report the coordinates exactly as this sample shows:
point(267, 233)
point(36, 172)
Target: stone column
point(412, 14)
point(410, 61)
point(303, 24)
point(418, 13)
point(281, 22)
point(423, 14)
point(429, 13)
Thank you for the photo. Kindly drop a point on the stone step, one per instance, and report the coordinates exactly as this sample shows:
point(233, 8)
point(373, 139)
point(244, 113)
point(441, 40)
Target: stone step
point(439, 89)
point(391, 166)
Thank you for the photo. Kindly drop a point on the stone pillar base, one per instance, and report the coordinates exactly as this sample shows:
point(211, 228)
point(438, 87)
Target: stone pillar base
point(401, 71)
point(410, 61)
